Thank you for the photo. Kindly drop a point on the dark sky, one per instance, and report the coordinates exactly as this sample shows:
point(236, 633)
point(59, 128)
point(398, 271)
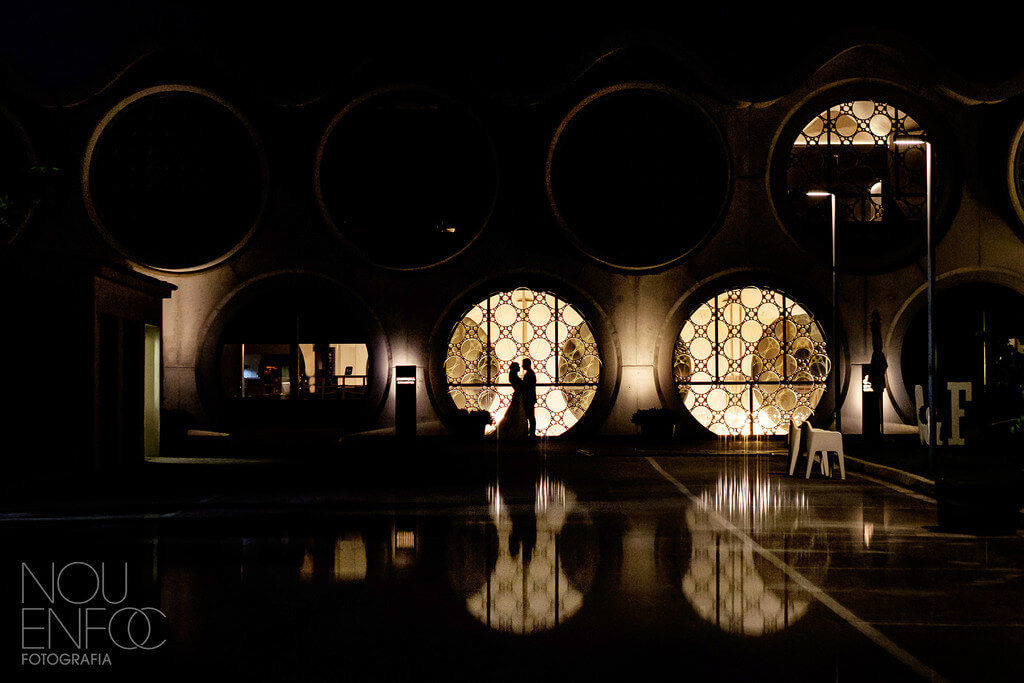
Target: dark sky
point(60, 47)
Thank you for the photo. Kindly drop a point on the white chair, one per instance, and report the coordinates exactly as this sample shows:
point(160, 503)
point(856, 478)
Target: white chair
point(823, 442)
point(794, 446)
point(922, 425)
point(795, 438)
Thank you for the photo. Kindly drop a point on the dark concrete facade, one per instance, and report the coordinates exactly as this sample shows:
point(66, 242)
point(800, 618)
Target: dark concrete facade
point(636, 311)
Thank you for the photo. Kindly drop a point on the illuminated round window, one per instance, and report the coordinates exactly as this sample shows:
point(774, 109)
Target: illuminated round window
point(508, 327)
point(850, 150)
point(749, 360)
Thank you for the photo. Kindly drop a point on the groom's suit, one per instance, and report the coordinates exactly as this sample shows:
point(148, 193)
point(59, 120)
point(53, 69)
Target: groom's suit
point(529, 394)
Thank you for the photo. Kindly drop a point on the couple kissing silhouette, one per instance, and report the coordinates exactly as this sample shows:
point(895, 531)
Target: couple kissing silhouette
point(520, 421)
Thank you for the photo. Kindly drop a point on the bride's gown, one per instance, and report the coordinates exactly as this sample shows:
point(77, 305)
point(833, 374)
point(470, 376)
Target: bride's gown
point(513, 425)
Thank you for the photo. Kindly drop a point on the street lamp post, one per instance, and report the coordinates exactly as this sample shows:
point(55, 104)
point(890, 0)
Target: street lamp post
point(932, 412)
point(836, 416)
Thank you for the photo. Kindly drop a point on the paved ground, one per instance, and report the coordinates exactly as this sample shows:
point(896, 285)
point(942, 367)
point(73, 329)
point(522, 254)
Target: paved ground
point(570, 564)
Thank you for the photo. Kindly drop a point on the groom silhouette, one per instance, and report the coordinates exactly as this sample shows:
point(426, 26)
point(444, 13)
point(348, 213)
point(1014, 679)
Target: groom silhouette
point(529, 389)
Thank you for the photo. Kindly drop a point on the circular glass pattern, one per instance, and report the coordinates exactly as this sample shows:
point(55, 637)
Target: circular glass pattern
point(637, 175)
point(408, 176)
point(175, 178)
point(880, 187)
point(749, 360)
point(509, 326)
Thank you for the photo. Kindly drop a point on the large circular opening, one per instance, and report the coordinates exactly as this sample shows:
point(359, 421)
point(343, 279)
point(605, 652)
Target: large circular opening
point(508, 327)
point(296, 349)
point(637, 175)
point(979, 338)
point(407, 176)
point(174, 178)
point(749, 360)
point(871, 155)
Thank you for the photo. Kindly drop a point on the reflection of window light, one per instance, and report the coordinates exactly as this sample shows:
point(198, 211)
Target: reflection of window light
point(866, 384)
point(526, 597)
point(724, 581)
point(727, 587)
point(350, 558)
point(404, 548)
point(249, 373)
point(405, 540)
point(306, 570)
point(549, 492)
point(758, 499)
point(869, 532)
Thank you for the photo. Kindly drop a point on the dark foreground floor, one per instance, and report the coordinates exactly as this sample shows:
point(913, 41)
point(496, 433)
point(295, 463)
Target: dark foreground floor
point(514, 567)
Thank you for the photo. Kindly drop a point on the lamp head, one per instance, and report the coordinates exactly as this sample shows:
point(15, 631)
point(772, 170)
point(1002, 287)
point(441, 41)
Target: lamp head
point(819, 193)
point(903, 140)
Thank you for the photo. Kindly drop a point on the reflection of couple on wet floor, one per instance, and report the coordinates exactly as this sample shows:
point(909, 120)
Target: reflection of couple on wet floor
point(519, 421)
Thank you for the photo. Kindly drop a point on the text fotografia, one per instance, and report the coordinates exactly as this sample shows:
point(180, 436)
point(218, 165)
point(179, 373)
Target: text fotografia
point(78, 614)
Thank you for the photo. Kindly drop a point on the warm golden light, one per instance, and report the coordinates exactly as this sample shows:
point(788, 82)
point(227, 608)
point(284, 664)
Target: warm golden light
point(405, 540)
point(749, 360)
point(350, 558)
point(869, 533)
point(857, 123)
point(523, 323)
point(755, 500)
point(726, 581)
point(528, 596)
point(850, 153)
point(725, 586)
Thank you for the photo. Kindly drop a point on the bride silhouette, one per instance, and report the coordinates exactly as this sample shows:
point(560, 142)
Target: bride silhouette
point(513, 425)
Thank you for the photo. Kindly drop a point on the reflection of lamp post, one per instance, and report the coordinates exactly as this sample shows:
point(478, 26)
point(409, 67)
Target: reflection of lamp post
point(837, 418)
point(932, 412)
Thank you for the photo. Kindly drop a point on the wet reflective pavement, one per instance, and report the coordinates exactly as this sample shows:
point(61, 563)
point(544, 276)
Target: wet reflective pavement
point(567, 567)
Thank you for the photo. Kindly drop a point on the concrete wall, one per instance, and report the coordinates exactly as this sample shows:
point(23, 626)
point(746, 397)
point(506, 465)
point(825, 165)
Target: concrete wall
point(640, 312)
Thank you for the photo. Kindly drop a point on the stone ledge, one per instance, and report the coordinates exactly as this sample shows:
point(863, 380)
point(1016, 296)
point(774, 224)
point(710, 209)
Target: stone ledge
point(908, 480)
